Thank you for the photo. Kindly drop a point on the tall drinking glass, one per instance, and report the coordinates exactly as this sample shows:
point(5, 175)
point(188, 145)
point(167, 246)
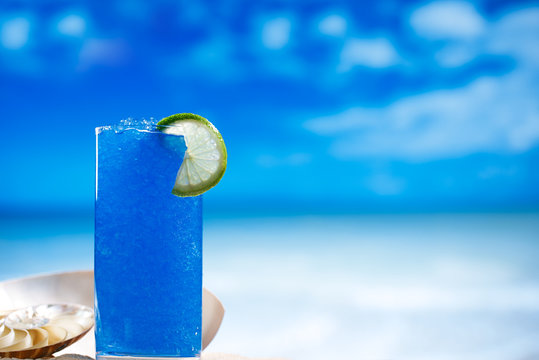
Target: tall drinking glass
point(148, 248)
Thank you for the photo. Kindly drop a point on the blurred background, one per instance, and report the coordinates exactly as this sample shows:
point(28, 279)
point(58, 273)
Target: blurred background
point(381, 198)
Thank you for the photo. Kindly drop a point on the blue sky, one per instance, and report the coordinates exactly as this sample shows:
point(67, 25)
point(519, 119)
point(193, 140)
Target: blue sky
point(324, 105)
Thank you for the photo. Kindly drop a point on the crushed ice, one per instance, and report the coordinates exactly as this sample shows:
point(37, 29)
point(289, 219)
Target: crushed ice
point(137, 124)
point(131, 124)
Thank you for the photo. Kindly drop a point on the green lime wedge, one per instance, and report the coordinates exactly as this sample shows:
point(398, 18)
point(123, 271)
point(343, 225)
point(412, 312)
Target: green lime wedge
point(204, 162)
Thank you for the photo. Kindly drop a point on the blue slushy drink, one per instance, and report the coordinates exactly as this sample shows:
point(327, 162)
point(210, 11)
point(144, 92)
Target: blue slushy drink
point(148, 247)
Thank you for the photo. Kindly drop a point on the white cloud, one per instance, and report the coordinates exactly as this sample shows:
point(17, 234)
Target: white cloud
point(72, 25)
point(447, 20)
point(333, 25)
point(494, 114)
point(455, 55)
point(14, 33)
point(276, 33)
point(374, 53)
point(490, 114)
point(516, 34)
point(350, 119)
point(109, 52)
point(526, 133)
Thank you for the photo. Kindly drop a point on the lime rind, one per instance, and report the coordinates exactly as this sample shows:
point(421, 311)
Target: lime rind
point(205, 159)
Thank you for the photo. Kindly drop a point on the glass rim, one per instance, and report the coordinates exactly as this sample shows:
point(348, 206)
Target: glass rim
point(142, 127)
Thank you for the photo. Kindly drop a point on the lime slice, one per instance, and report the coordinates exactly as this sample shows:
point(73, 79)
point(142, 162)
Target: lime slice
point(204, 162)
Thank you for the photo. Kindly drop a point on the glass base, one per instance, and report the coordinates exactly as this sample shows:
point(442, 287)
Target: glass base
point(130, 357)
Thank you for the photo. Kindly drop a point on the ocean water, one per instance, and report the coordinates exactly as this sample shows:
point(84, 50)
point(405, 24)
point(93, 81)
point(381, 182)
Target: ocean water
point(436, 286)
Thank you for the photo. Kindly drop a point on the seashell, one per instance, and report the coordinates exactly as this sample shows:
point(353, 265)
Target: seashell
point(40, 331)
point(77, 287)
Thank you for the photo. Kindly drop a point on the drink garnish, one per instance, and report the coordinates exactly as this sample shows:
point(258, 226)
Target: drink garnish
point(204, 162)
